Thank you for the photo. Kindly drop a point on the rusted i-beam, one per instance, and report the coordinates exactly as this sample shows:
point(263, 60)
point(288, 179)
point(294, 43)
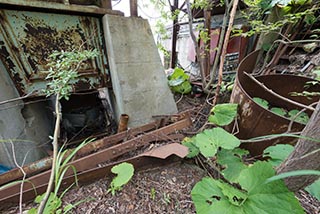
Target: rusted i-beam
point(92, 161)
point(155, 157)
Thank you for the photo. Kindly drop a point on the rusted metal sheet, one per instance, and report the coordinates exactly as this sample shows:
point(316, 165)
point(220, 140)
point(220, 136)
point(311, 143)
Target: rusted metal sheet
point(255, 120)
point(57, 6)
point(155, 157)
point(28, 38)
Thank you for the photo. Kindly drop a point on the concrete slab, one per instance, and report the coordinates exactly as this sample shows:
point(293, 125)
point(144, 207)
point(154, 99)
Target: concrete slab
point(138, 78)
point(22, 127)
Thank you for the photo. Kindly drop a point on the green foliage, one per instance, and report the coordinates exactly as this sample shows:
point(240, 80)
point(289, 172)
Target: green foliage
point(307, 94)
point(290, 11)
point(54, 203)
point(223, 114)
point(301, 118)
point(179, 81)
point(153, 193)
point(124, 173)
point(63, 67)
point(278, 153)
point(316, 73)
point(261, 102)
point(231, 161)
point(279, 111)
point(255, 196)
point(201, 4)
point(210, 140)
point(193, 149)
point(314, 189)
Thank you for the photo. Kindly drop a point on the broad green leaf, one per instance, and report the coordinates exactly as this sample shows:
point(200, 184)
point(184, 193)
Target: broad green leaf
point(278, 111)
point(301, 118)
point(265, 197)
point(210, 140)
point(261, 102)
point(208, 198)
point(178, 73)
point(235, 196)
point(314, 189)
point(179, 81)
point(277, 153)
point(232, 162)
point(213, 196)
point(193, 149)
point(175, 82)
point(124, 173)
point(223, 114)
point(183, 88)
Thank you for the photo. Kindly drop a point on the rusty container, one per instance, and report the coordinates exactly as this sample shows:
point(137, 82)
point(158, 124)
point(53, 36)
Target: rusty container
point(255, 120)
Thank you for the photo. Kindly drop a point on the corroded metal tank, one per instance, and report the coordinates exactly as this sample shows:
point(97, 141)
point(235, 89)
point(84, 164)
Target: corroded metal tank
point(255, 120)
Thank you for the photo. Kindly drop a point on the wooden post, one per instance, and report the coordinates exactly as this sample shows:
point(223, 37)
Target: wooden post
point(106, 4)
point(134, 8)
point(175, 30)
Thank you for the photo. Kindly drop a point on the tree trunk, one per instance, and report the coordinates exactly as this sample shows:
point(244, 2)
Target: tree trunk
point(306, 155)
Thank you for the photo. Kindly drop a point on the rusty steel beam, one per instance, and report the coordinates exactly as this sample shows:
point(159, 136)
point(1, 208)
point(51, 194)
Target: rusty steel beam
point(44, 164)
point(158, 156)
point(93, 160)
point(59, 7)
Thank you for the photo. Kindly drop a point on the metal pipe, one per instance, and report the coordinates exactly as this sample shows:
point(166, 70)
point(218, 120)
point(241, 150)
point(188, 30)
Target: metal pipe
point(123, 123)
point(134, 8)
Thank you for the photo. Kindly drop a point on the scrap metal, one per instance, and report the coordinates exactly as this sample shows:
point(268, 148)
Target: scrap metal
point(97, 165)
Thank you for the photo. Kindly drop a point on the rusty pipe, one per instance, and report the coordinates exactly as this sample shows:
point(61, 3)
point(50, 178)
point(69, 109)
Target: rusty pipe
point(123, 123)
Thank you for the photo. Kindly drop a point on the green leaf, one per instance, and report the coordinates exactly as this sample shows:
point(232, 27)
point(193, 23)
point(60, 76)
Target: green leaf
point(175, 82)
point(261, 102)
point(193, 149)
point(314, 189)
point(223, 114)
point(277, 153)
point(266, 197)
point(179, 81)
point(178, 73)
point(33, 211)
point(208, 196)
point(281, 2)
point(232, 162)
point(210, 140)
point(278, 111)
point(124, 173)
point(301, 118)
point(184, 88)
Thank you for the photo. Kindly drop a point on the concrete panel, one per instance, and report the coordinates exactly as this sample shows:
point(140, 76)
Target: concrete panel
point(138, 78)
point(24, 126)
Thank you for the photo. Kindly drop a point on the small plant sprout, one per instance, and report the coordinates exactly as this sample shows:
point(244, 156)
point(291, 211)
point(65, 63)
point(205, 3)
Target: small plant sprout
point(124, 173)
point(153, 193)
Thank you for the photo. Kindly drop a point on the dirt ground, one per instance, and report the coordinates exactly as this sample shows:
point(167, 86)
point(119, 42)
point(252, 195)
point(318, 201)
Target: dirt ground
point(161, 190)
